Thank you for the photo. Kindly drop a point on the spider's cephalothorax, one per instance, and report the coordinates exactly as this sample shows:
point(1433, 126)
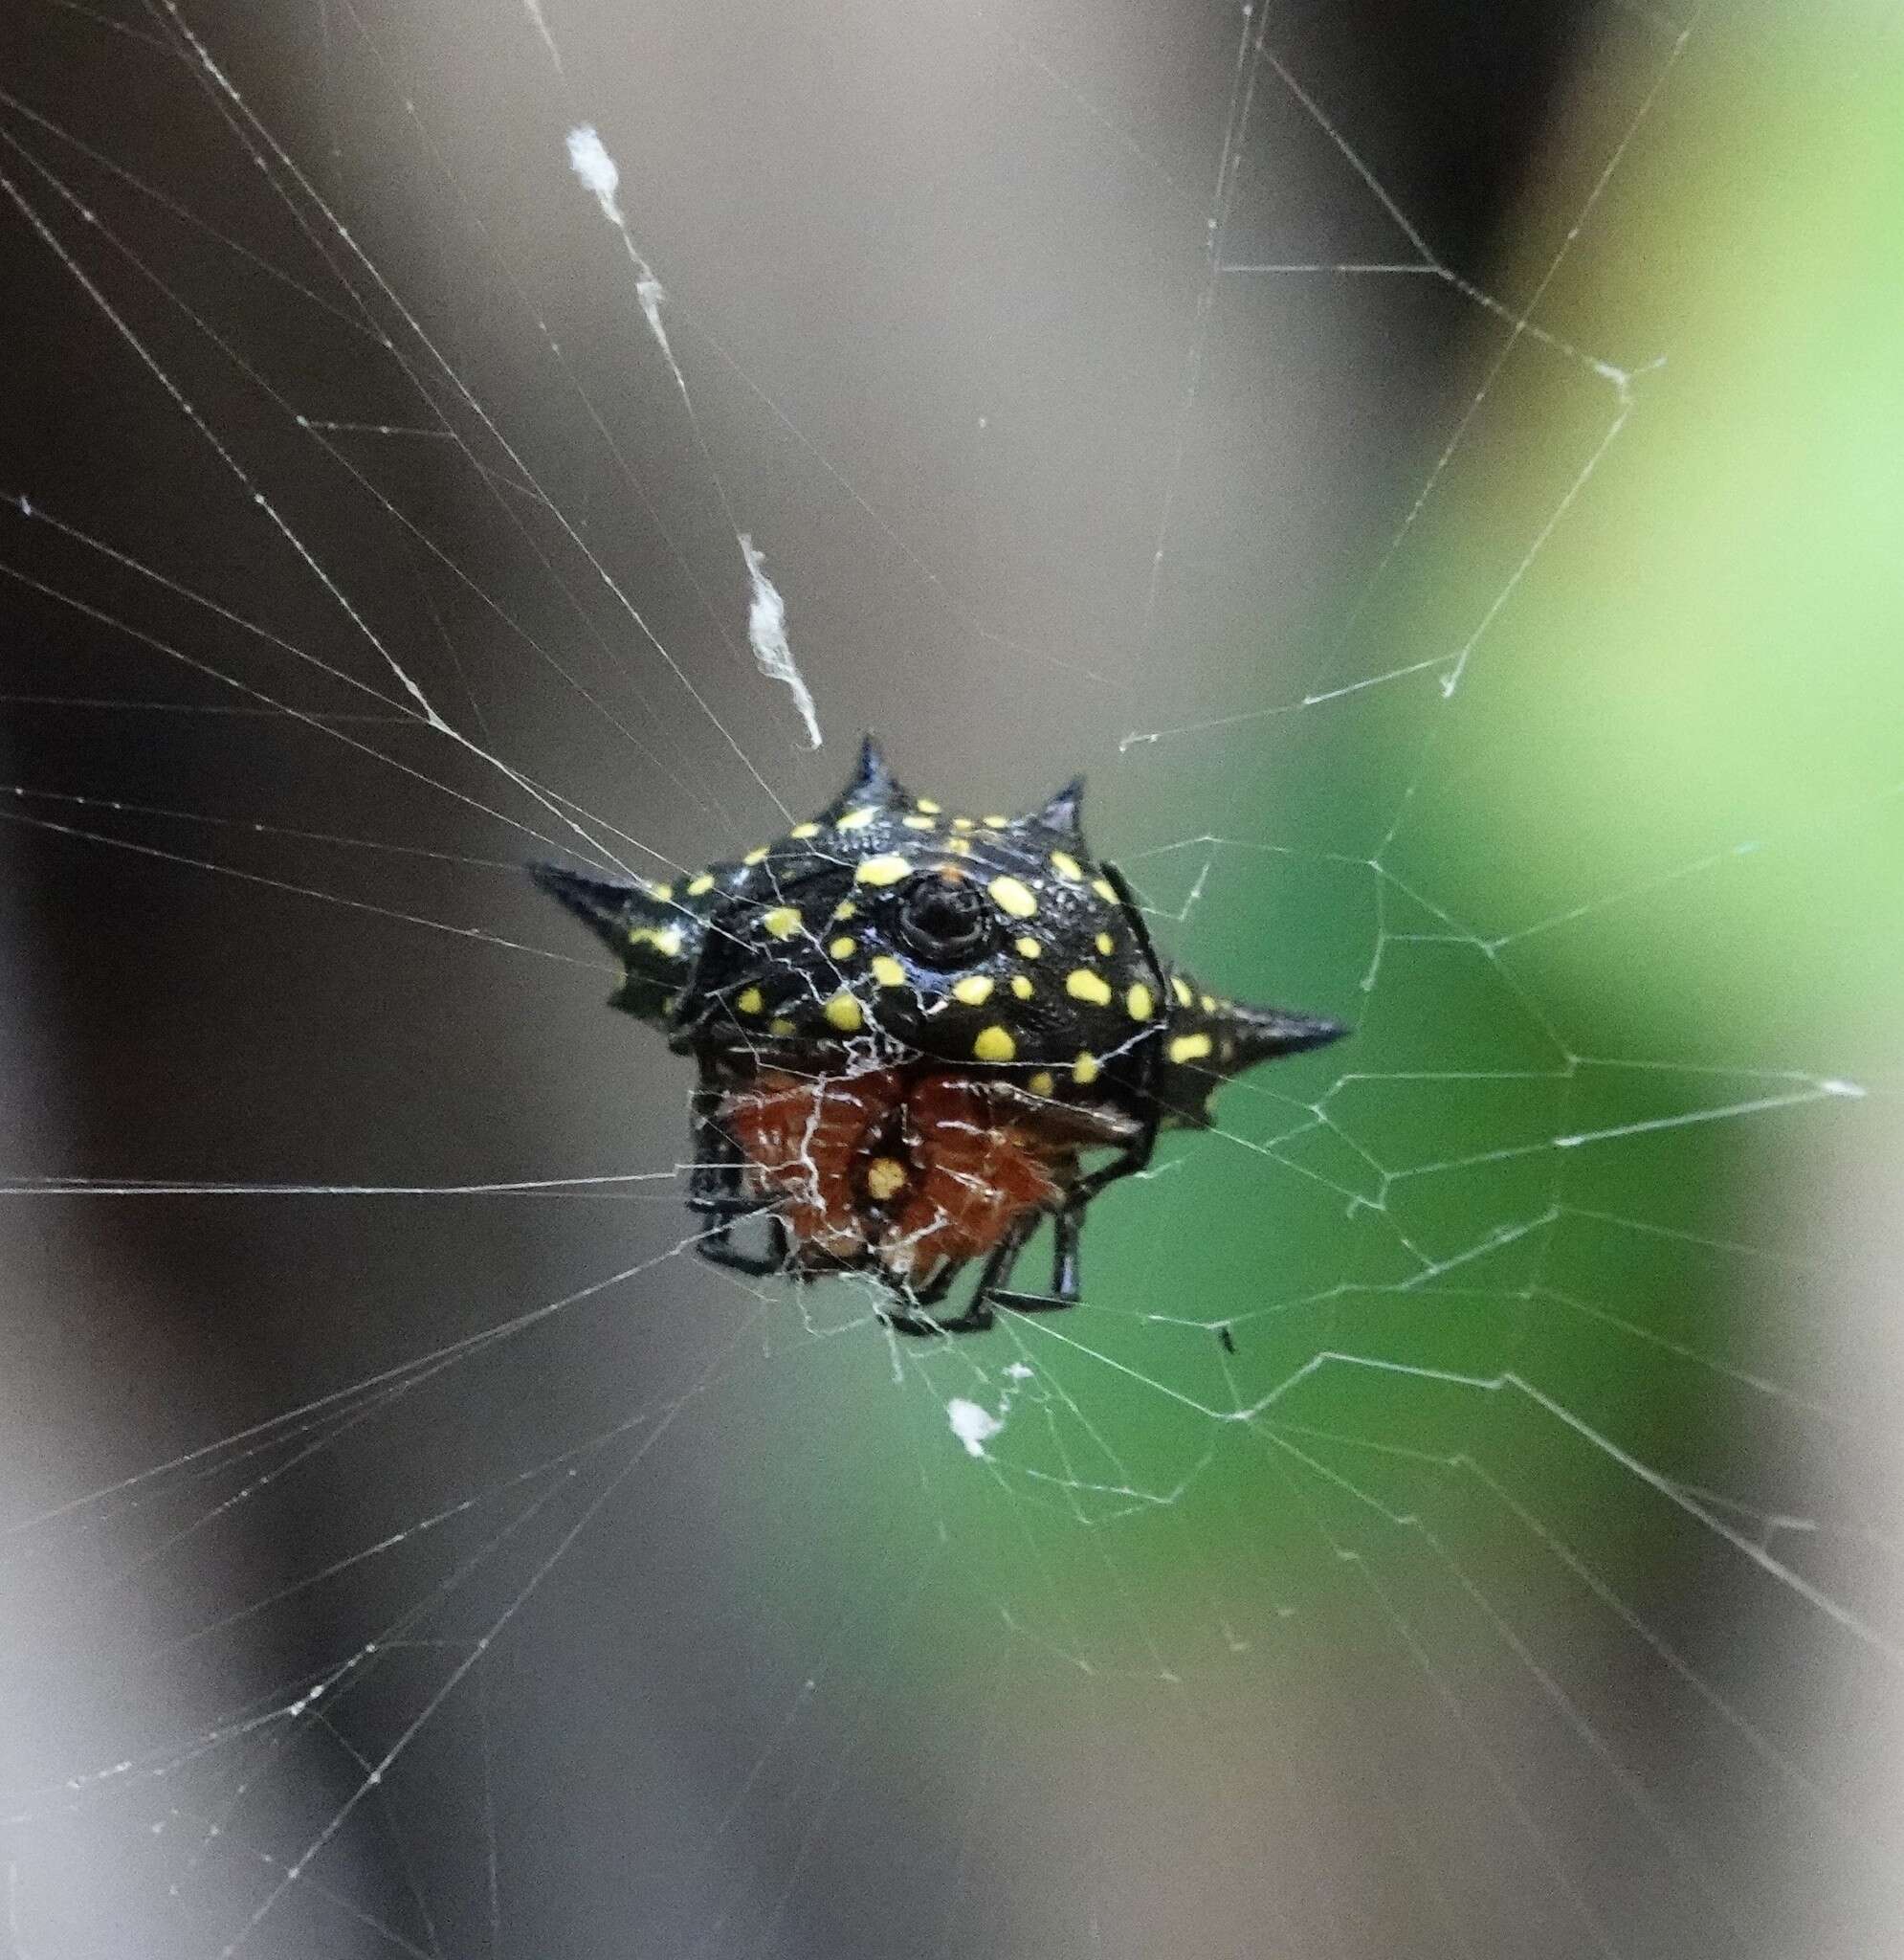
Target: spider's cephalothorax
point(911, 1028)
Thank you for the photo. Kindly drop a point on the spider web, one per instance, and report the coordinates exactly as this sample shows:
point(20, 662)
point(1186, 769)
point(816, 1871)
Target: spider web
point(1457, 1517)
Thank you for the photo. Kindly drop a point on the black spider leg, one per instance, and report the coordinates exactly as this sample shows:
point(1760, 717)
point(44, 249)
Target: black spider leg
point(715, 1190)
point(1068, 1223)
point(977, 1317)
point(1067, 1229)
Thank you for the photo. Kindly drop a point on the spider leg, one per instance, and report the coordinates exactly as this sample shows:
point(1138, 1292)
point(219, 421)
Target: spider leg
point(1131, 1158)
point(915, 1315)
point(978, 1315)
point(714, 1183)
point(715, 1190)
point(1067, 1229)
point(1067, 1225)
point(717, 1249)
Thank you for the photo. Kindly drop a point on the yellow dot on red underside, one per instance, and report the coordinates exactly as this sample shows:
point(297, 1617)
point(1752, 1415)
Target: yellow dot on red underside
point(994, 1044)
point(805, 829)
point(781, 923)
point(926, 804)
point(1021, 987)
point(1041, 1083)
point(843, 946)
point(917, 823)
point(1105, 943)
point(750, 1001)
point(974, 990)
point(888, 869)
point(843, 1012)
point(1085, 1070)
point(756, 857)
point(780, 1027)
point(885, 1178)
point(1106, 891)
point(1009, 895)
point(1082, 984)
point(1182, 993)
point(888, 971)
point(857, 820)
point(1067, 866)
point(1138, 1001)
point(1189, 1047)
point(1029, 949)
point(700, 886)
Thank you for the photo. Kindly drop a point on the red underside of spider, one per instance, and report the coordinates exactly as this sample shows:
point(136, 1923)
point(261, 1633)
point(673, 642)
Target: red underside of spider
point(903, 1176)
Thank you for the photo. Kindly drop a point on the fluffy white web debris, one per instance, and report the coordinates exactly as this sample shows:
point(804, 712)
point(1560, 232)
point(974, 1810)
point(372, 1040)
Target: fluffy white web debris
point(973, 1424)
point(766, 634)
point(600, 175)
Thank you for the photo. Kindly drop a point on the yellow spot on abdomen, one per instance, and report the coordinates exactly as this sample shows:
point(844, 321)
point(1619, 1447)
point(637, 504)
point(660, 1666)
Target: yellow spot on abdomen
point(1021, 987)
point(1106, 891)
point(1138, 1001)
point(1011, 896)
point(661, 893)
point(778, 1026)
point(1189, 1047)
point(758, 856)
point(750, 1001)
point(1181, 989)
point(1085, 1070)
point(885, 870)
point(666, 940)
point(917, 823)
point(844, 946)
point(843, 1012)
point(996, 823)
point(1028, 948)
point(888, 971)
point(1105, 943)
point(926, 804)
point(1067, 866)
point(845, 909)
point(974, 990)
point(885, 1178)
point(857, 820)
point(698, 886)
point(1082, 984)
point(1041, 1083)
point(805, 829)
point(782, 921)
point(994, 1044)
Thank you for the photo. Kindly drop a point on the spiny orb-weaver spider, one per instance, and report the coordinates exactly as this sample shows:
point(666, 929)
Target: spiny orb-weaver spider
point(910, 1029)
